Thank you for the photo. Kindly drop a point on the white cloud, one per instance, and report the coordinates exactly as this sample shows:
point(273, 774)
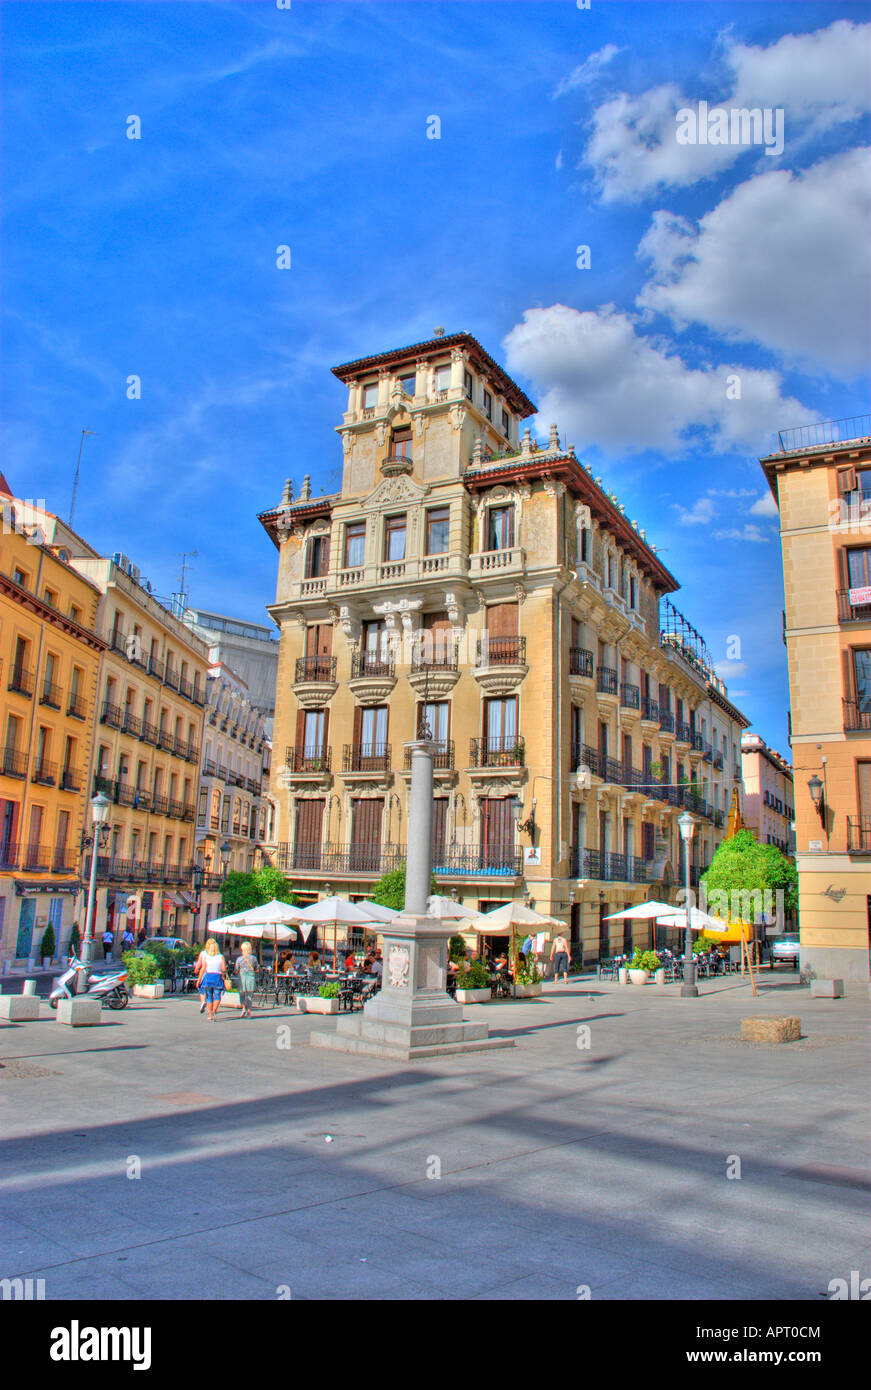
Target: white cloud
point(609, 387)
point(699, 514)
point(748, 532)
point(782, 261)
point(819, 80)
point(588, 69)
point(765, 506)
point(559, 160)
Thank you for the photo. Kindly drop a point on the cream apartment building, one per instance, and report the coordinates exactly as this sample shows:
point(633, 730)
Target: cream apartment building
point(472, 580)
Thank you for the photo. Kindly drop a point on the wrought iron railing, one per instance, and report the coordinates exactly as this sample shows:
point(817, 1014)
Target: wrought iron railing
point(506, 750)
point(315, 668)
point(580, 662)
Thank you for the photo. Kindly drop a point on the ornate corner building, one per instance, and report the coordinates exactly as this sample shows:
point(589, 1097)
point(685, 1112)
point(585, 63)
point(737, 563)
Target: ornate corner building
point(471, 581)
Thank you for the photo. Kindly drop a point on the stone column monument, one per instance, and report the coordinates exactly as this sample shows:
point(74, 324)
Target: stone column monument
point(412, 1016)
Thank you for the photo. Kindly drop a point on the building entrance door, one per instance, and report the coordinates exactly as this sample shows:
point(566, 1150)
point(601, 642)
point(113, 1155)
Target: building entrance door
point(26, 919)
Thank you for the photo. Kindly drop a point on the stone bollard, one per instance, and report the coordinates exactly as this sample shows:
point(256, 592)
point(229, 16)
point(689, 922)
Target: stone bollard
point(776, 1028)
point(80, 1012)
point(29, 987)
point(827, 989)
point(19, 1008)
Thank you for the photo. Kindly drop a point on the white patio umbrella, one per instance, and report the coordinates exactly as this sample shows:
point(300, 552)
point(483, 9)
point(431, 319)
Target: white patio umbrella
point(699, 920)
point(649, 909)
point(273, 919)
point(378, 911)
point(510, 916)
point(335, 912)
point(446, 910)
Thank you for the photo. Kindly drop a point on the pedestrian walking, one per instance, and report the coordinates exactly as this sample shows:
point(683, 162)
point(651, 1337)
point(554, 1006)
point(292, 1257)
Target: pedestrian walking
point(247, 978)
point(108, 943)
point(199, 972)
point(141, 935)
point(127, 940)
point(213, 979)
point(559, 954)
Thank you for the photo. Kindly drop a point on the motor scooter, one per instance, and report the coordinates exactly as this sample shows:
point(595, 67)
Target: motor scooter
point(109, 989)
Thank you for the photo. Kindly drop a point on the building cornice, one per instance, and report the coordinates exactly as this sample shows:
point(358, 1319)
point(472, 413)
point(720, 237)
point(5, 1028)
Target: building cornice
point(44, 610)
point(478, 356)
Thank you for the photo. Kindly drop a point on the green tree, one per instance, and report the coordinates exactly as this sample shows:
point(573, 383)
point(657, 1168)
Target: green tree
point(47, 945)
point(75, 940)
point(243, 891)
point(742, 866)
point(389, 891)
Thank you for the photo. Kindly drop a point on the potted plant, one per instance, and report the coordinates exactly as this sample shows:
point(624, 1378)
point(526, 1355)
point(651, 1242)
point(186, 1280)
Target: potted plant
point(75, 940)
point(642, 966)
point(527, 978)
point(47, 946)
point(473, 984)
point(144, 973)
point(326, 1001)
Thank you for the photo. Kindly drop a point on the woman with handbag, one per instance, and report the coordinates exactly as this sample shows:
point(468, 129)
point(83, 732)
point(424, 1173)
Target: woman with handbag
point(247, 978)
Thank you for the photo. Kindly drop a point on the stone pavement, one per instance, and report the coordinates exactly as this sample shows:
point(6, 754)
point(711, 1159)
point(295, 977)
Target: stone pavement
point(520, 1174)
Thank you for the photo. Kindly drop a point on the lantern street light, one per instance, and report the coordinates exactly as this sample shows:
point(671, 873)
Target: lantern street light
point(99, 816)
point(689, 988)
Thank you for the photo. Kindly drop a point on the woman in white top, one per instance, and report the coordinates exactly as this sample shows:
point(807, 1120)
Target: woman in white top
point(213, 977)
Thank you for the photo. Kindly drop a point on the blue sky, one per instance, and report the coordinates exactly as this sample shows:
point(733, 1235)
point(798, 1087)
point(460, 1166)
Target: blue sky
point(307, 126)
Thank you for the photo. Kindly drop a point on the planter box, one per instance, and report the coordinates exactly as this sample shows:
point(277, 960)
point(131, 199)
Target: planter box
point(473, 996)
point(621, 975)
point(154, 991)
point(638, 977)
point(230, 999)
point(19, 1008)
point(313, 1004)
point(659, 977)
point(46, 962)
point(80, 1012)
point(528, 991)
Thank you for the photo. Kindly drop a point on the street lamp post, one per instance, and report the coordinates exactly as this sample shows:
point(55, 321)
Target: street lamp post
point(99, 816)
point(225, 851)
point(689, 988)
point(198, 874)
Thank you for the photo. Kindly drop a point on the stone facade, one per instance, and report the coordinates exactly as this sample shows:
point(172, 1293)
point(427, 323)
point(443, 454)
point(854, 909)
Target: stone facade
point(823, 490)
point(471, 574)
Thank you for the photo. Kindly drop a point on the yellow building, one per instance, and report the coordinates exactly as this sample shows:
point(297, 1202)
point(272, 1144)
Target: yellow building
point(146, 753)
point(50, 650)
point(821, 479)
point(768, 794)
point(469, 578)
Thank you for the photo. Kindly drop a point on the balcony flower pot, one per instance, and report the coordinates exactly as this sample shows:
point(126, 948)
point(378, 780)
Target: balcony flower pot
point(313, 1004)
point(638, 977)
point(473, 996)
point(154, 991)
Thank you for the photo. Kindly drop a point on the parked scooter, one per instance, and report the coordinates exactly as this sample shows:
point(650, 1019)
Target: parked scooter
point(109, 989)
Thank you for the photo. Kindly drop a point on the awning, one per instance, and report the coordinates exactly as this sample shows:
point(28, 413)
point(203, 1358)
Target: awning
point(175, 899)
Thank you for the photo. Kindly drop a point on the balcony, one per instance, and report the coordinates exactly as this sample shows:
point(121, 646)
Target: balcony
point(176, 809)
point(856, 718)
point(149, 732)
point(44, 772)
point(585, 756)
point(580, 662)
point(434, 672)
point(707, 752)
point(332, 860)
point(859, 834)
point(210, 768)
point(113, 715)
point(132, 724)
point(165, 740)
point(160, 804)
point(70, 779)
point(500, 664)
point(606, 680)
point(607, 867)
point(489, 861)
point(51, 695)
point(495, 564)
point(442, 758)
point(8, 854)
point(14, 763)
point(185, 688)
point(36, 858)
point(650, 710)
point(64, 861)
point(105, 786)
point(21, 681)
point(76, 707)
point(314, 681)
point(666, 721)
point(366, 758)
point(155, 667)
point(718, 761)
point(311, 764)
point(373, 676)
point(504, 751)
point(630, 696)
point(171, 677)
point(682, 732)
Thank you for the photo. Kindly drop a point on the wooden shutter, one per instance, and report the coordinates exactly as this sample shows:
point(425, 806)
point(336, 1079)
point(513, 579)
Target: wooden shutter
point(307, 848)
point(326, 738)
point(846, 481)
point(319, 640)
point(502, 619)
point(358, 726)
point(300, 730)
point(439, 828)
point(849, 674)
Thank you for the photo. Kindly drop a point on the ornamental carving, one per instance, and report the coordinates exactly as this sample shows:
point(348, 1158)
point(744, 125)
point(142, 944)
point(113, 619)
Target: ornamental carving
point(398, 965)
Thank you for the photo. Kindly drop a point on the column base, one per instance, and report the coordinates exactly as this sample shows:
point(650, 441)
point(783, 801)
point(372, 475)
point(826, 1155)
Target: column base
point(398, 1043)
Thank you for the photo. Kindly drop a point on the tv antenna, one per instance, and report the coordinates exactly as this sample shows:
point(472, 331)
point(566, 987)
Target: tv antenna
point(76, 479)
point(179, 600)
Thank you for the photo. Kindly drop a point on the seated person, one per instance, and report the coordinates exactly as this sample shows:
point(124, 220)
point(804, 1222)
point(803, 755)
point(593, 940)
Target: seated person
point(314, 960)
point(501, 962)
point(350, 961)
point(453, 967)
point(377, 967)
